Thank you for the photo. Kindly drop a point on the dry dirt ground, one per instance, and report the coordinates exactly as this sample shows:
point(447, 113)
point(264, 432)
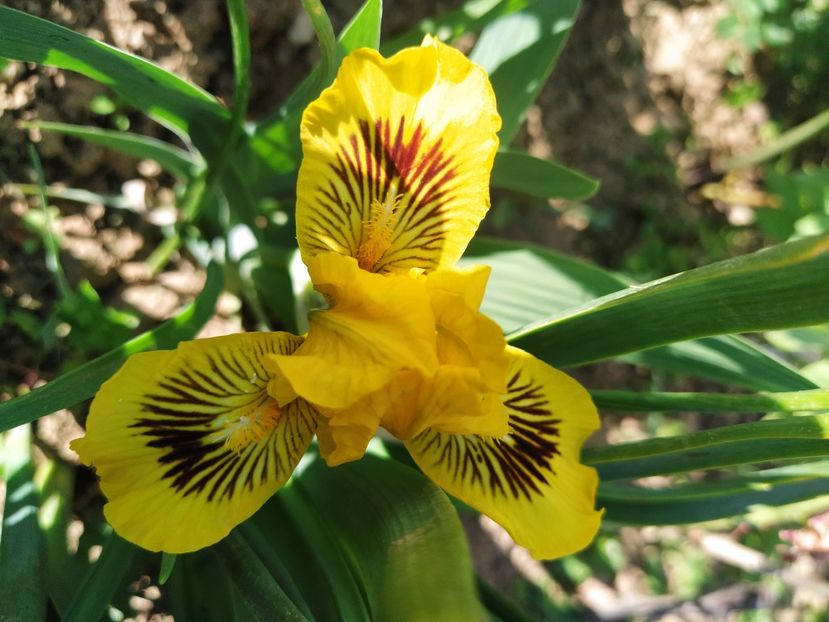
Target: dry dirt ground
point(635, 101)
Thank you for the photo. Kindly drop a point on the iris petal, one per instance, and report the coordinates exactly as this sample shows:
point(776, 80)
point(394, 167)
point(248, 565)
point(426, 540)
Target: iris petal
point(461, 395)
point(376, 326)
point(530, 481)
point(396, 159)
point(188, 443)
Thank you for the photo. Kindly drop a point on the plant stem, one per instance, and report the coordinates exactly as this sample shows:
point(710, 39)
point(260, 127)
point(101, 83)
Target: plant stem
point(201, 186)
point(786, 141)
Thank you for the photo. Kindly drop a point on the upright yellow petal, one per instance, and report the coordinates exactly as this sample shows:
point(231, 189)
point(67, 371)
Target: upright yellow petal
point(376, 326)
point(397, 155)
point(188, 443)
point(530, 481)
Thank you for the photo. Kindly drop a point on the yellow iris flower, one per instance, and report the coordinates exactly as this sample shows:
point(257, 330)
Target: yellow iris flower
point(393, 184)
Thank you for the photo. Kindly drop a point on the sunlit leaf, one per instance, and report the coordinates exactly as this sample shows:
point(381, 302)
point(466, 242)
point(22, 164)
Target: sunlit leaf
point(761, 291)
point(519, 51)
point(101, 581)
point(521, 172)
point(172, 159)
point(22, 567)
point(747, 443)
point(165, 97)
point(529, 283)
point(703, 501)
point(392, 537)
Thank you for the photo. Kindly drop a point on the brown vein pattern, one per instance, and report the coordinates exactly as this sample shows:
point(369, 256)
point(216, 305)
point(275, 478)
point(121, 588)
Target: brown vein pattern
point(379, 161)
point(516, 465)
point(189, 412)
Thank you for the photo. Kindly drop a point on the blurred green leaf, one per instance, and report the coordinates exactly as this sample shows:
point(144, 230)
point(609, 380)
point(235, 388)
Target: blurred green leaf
point(471, 17)
point(176, 161)
point(168, 562)
point(803, 195)
point(22, 568)
point(262, 594)
point(747, 443)
point(271, 275)
point(760, 291)
point(166, 98)
point(795, 401)
point(329, 57)
point(728, 359)
point(78, 194)
point(50, 245)
point(519, 51)
point(201, 591)
point(82, 382)
point(276, 564)
point(94, 327)
point(711, 500)
point(402, 524)
point(276, 138)
point(529, 283)
point(301, 539)
point(500, 606)
point(101, 581)
point(363, 31)
point(785, 142)
point(521, 172)
point(56, 483)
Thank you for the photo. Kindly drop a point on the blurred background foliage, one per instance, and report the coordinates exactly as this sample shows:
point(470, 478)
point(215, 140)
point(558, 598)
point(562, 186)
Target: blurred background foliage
point(705, 123)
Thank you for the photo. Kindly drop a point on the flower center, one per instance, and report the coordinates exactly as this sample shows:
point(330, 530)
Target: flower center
point(252, 427)
point(378, 229)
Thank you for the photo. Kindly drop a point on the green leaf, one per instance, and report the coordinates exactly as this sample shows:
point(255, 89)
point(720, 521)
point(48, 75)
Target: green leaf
point(176, 161)
point(101, 581)
point(519, 52)
point(522, 172)
point(779, 287)
point(82, 383)
point(260, 592)
point(780, 439)
point(795, 401)
point(80, 195)
point(168, 563)
point(329, 56)
point(783, 143)
point(299, 536)
point(529, 283)
point(704, 501)
point(22, 568)
point(363, 31)
point(276, 138)
point(163, 96)
point(200, 590)
point(57, 480)
point(726, 359)
point(392, 537)
point(471, 17)
point(275, 563)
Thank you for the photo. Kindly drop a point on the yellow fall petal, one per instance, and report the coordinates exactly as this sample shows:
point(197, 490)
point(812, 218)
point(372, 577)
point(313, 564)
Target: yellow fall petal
point(376, 326)
point(339, 444)
point(462, 395)
point(530, 481)
point(467, 337)
point(397, 155)
point(188, 443)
